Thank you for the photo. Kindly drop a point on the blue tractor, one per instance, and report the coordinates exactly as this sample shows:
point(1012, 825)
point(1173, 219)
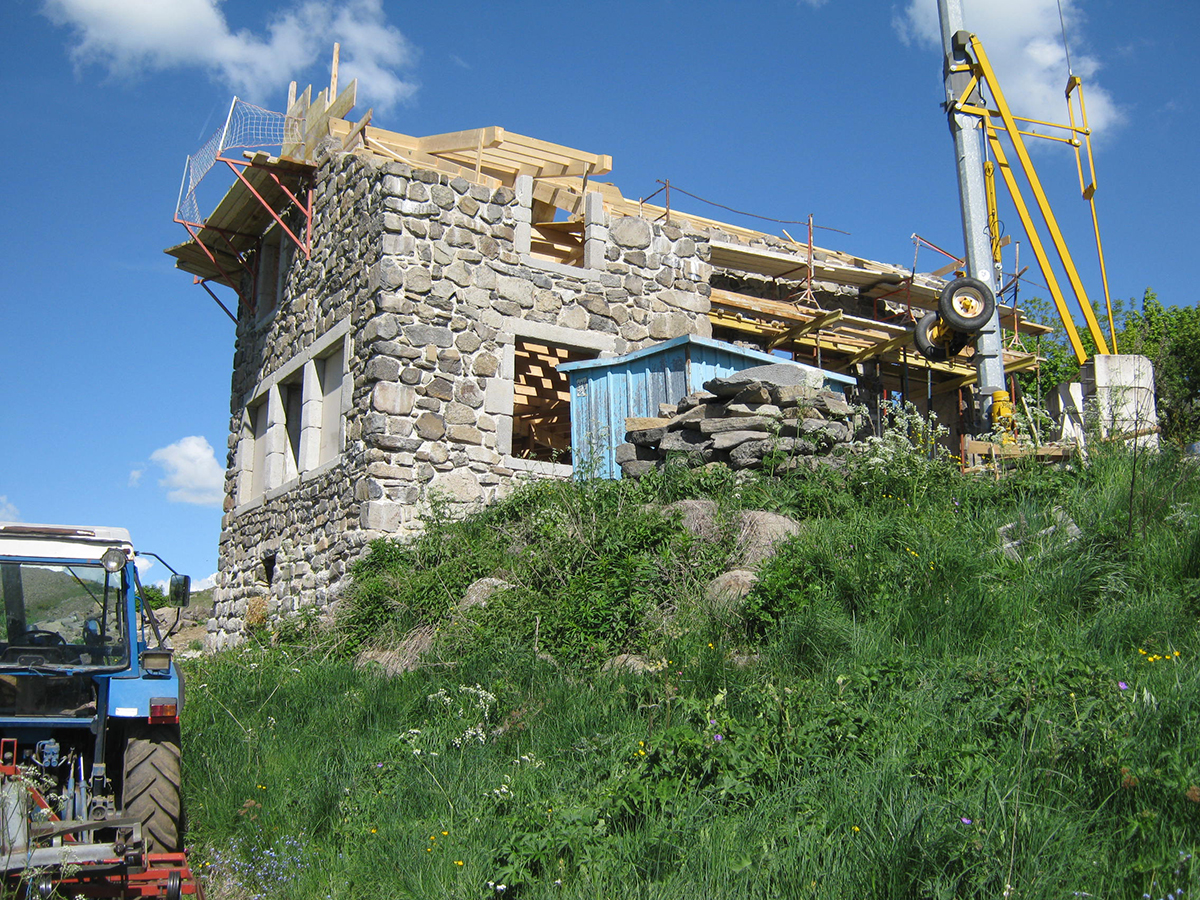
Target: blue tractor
point(90, 697)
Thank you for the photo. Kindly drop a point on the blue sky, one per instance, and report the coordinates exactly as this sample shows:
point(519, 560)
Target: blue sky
point(116, 375)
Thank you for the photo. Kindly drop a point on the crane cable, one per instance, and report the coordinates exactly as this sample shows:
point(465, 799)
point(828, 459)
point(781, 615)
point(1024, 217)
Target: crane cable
point(1066, 48)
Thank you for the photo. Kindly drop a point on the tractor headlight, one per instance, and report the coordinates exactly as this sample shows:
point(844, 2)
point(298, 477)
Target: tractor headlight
point(113, 560)
point(157, 662)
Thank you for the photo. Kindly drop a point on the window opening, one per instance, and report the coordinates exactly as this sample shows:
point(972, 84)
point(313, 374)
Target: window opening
point(292, 398)
point(542, 400)
point(554, 240)
point(294, 423)
point(330, 372)
point(270, 269)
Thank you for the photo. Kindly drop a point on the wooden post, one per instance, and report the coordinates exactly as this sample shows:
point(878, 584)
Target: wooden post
point(333, 75)
point(291, 96)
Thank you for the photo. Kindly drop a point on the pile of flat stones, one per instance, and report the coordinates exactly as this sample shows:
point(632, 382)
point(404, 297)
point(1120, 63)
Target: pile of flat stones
point(780, 415)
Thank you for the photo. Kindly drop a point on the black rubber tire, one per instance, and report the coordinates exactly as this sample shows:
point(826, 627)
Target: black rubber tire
point(966, 304)
point(925, 346)
point(151, 786)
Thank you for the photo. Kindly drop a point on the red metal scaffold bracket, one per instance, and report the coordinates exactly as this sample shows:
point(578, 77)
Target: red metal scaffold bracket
point(305, 207)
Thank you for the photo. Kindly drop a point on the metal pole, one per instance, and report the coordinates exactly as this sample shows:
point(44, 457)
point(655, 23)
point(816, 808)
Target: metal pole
point(968, 153)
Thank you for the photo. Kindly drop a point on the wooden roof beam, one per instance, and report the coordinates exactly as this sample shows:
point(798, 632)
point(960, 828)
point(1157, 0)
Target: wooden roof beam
point(461, 141)
point(879, 349)
point(800, 330)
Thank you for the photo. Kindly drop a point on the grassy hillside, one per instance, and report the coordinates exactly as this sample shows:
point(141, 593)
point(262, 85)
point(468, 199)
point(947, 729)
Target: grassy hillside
point(898, 709)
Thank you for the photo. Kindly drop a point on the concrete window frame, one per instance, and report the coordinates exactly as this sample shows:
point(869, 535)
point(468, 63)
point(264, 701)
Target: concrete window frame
point(595, 233)
point(271, 458)
point(500, 396)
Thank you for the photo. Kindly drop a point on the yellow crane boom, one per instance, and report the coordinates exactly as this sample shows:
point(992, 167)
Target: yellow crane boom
point(1001, 118)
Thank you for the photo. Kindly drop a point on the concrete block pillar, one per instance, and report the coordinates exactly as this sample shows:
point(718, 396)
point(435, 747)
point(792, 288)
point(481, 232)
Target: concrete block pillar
point(523, 214)
point(310, 419)
point(243, 460)
point(595, 230)
point(276, 443)
point(1120, 388)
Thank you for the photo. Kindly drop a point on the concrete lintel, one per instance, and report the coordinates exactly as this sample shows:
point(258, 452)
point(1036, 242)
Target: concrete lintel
point(545, 265)
point(249, 506)
point(556, 334)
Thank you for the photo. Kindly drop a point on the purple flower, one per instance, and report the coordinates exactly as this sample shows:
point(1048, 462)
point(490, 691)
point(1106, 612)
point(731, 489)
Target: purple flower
point(1122, 685)
point(965, 820)
point(712, 721)
point(718, 738)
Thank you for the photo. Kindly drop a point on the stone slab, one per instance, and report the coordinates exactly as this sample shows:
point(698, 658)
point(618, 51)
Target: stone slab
point(647, 438)
point(778, 374)
point(636, 423)
point(746, 423)
point(682, 441)
point(727, 440)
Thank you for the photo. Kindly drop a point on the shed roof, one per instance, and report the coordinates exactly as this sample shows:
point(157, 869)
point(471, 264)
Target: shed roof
point(752, 356)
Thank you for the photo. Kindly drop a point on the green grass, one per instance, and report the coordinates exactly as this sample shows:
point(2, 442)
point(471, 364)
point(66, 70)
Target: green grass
point(898, 711)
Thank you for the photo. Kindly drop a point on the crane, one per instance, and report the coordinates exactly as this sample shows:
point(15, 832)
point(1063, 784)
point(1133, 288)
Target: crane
point(976, 106)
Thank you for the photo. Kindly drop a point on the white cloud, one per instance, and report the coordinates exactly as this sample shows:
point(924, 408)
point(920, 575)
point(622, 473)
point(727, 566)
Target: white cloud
point(1023, 39)
point(144, 564)
point(192, 472)
point(815, 4)
point(130, 36)
point(8, 512)
point(205, 583)
point(135, 477)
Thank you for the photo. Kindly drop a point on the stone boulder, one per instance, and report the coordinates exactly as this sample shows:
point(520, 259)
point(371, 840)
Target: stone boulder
point(405, 657)
point(481, 591)
point(759, 532)
point(778, 374)
point(630, 663)
point(726, 594)
point(696, 516)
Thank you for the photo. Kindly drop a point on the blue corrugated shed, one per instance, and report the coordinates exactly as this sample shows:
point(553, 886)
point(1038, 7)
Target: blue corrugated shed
point(604, 392)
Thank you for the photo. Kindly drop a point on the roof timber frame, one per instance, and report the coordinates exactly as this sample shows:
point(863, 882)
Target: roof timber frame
point(491, 156)
point(562, 176)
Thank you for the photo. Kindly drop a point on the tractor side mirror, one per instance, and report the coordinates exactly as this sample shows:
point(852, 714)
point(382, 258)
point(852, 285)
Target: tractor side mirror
point(180, 590)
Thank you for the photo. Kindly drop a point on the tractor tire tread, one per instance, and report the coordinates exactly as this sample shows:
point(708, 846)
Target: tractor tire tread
point(152, 785)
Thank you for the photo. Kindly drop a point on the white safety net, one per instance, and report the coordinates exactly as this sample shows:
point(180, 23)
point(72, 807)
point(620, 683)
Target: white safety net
point(246, 127)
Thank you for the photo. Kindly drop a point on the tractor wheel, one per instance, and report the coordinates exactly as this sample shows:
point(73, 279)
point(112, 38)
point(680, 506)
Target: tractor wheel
point(151, 789)
point(966, 304)
point(925, 345)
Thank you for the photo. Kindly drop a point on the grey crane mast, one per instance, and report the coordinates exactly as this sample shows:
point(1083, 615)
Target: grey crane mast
point(968, 153)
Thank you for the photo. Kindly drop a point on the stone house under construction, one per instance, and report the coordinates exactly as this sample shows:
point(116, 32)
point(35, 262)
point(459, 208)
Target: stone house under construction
point(403, 303)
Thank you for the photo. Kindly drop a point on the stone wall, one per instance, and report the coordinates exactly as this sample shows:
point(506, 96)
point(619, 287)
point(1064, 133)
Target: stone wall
point(432, 281)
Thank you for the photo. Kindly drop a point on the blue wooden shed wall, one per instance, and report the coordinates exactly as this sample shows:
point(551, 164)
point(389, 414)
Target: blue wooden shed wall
point(604, 392)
